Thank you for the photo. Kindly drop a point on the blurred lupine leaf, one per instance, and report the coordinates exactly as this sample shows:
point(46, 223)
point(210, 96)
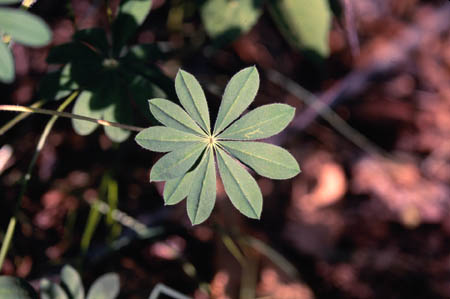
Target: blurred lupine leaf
point(111, 78)
point(71, 281)
point(9, 1)
point(304, 23)
point(226, 20)
point(17, 288)
point(189, 168)
point(6, 64)
point(131, 15)
point(22, 27)
point(51, 290)
point(106, 286)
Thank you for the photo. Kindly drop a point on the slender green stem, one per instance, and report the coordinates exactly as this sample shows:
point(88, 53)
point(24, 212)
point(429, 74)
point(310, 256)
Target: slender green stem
point(20, 117)
point(7, 240)
point(26, 178)
point(68, 115)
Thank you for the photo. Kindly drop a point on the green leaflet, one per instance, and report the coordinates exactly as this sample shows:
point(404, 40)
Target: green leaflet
point(71, 280)
point(119, 112)
point(193, 99)
point(17, 288)
point(304, 23)
point(239, 93)
point(263, 122)
point(6, 64)
point(105, 287)
point(202, 196)
point(225, 20)
point(240, 186)
point(24, 27)
point(83, 107)
point(51, 290)
point(131, 15)
point(175, 190)
point(266, 159)
point(173, 116)
point(176, 163)
point(165, 139)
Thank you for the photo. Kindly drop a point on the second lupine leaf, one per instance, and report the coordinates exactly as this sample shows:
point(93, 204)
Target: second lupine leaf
point(189, 168)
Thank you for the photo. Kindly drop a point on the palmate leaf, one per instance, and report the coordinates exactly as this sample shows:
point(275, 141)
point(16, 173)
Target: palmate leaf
point(188, 139)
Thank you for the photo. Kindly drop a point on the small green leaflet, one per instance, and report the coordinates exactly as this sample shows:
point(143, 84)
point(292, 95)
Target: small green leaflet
point(189, 169)
point(71, 281)
point(106, 286)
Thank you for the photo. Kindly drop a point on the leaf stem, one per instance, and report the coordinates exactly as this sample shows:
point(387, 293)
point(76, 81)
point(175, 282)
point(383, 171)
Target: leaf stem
point(68, 115)
point(26, 178)
point(20, 117)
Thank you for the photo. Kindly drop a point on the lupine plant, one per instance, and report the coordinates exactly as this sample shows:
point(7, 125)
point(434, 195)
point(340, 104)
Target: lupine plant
point(106, 286)
point(107, 71)
point(194, 146)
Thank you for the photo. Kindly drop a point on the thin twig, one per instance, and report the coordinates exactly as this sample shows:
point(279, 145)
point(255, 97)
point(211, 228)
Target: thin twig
point(69, 115)
point(10, 124)
point(325, 112)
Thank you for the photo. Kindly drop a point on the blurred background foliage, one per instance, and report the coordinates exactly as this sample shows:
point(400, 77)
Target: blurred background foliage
point(367, 217)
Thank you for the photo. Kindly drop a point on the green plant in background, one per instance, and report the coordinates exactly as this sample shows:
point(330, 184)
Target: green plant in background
point(106, 286)
point(304, 23)
point(108, 73)
point(22, 27)
point(189, 167)
point(225, 20)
